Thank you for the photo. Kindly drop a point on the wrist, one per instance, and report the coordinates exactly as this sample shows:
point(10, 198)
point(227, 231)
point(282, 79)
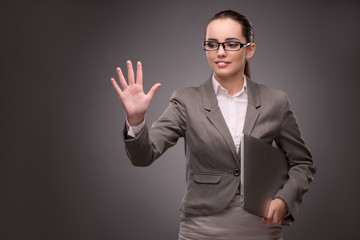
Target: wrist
point(135, 120)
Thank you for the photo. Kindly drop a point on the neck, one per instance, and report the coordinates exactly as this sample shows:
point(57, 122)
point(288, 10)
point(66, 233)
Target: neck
point(233, 84)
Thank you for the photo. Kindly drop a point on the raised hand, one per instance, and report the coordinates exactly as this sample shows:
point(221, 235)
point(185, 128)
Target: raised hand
point(132, 96)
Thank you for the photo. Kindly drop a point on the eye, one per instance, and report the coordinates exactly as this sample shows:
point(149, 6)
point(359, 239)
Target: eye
point(211, 45)
point(232, 44)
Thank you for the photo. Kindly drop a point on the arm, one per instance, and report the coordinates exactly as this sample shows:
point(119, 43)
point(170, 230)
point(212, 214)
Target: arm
point(149, 144)
point(132, 131)
point(301, 170)
point(145, 146)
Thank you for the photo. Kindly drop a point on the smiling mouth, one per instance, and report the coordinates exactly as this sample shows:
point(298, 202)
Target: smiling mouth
point(222, 64)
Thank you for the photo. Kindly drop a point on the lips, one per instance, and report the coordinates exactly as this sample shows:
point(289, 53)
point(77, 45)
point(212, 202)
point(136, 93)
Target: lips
point(222, 63)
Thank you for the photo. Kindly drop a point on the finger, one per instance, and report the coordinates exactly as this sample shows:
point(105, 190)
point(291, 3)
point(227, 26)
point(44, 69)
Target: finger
point(269, 216)
point(274, 220)
point(266, 221)
point(121, 78)
point(270, 213)
point(130, 72)
point(277, 219)
point(139, 73)
point(116, 86)
point(153, 90)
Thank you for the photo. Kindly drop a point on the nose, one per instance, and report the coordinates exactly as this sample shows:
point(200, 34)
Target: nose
point(221, 51)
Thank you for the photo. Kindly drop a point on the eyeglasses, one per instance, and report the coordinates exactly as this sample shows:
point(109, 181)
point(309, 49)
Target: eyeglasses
point(228, 45)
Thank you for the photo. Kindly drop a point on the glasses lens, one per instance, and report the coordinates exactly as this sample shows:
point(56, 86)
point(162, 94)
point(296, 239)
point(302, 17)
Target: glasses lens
point(232, 45)
point(210, 46)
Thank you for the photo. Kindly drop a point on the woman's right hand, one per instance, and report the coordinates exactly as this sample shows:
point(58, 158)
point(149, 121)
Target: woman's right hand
point(132, 96)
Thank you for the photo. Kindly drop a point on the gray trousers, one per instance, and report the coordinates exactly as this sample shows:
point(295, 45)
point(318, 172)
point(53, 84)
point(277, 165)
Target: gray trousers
point(234, 223)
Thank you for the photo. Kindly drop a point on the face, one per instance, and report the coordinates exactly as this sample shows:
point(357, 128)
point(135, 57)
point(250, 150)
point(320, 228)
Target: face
point(227, 64)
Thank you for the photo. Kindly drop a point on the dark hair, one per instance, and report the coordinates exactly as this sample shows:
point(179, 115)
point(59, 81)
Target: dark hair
point(247, 29)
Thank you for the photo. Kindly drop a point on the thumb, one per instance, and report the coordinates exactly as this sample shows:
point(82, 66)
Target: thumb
point(153, 90)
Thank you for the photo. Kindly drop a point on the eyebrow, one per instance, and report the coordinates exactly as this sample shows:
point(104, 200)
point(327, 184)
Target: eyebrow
point(227, 39)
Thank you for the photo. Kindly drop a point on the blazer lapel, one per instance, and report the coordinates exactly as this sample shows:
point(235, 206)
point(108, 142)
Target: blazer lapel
point(253, 108)
point(215, 116)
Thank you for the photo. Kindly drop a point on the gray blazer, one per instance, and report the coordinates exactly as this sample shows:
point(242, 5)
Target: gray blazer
point(212, 163)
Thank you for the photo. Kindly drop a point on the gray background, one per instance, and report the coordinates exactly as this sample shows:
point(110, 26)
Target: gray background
point(64, 173)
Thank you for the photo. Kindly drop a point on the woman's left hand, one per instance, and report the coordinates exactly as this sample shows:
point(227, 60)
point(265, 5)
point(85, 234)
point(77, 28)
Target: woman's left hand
point(276, 213)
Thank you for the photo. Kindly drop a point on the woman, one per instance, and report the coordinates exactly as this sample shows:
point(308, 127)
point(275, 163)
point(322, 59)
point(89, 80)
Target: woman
point(211, 119)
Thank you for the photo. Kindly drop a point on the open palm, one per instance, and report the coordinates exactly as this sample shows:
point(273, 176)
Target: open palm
point(132, 96)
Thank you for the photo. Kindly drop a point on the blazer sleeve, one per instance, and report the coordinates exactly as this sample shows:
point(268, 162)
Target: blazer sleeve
point(151, 143)
point(301, 166)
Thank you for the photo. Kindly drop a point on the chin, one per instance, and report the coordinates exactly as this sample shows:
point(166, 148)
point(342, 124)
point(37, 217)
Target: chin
point(224, 74)
point(227, 74)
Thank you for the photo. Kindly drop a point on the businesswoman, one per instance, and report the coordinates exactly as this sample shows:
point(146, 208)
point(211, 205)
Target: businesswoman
point(211, 118)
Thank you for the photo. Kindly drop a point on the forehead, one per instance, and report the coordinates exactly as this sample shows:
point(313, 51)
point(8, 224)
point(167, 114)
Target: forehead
point(224, 28)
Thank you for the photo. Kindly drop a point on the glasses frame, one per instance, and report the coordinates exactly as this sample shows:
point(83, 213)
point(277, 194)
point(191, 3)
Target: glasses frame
point(223, 44)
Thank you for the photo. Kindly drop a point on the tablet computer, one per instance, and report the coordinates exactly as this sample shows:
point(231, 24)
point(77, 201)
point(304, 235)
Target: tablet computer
point(264, 170)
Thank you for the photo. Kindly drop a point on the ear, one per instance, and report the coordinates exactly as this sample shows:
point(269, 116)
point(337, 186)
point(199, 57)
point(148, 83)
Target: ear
point(250, 50)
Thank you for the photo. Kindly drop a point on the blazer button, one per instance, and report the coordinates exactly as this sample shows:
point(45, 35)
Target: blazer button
point(236, 172)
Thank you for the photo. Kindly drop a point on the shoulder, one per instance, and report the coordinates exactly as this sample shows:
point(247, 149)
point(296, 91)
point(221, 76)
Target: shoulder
point(186, 94)
point(271, 95)
point(266, 90)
